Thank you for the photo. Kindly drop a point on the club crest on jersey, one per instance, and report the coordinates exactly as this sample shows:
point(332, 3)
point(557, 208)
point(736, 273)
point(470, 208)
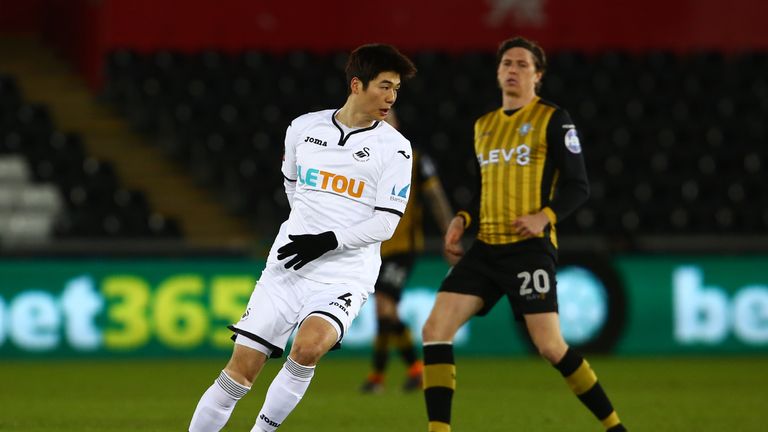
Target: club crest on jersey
point(317, 141)
point(362, 155)
point(328, 181)
point(524, 129)
point(572, 142)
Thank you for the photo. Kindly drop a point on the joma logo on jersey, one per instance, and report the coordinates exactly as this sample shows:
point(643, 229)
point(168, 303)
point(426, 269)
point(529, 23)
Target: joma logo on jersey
point(317, 141)
point(326, 180)
point(521, 154)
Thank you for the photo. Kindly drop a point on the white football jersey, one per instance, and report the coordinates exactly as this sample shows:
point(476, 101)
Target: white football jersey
point(341, 180)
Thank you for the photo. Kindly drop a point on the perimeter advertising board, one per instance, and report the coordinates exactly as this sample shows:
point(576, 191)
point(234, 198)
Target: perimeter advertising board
point(625, 305)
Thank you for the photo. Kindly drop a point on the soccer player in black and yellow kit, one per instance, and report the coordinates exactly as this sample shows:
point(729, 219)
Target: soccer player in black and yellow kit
point(532, 175)
point(398, 255)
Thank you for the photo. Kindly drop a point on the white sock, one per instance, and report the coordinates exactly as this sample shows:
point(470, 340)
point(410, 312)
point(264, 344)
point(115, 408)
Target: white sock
point(216, 405)
point(283, 395)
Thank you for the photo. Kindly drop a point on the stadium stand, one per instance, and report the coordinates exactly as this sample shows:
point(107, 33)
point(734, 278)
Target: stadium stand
point(673, 143)
point(50, 188)
point(147, 177)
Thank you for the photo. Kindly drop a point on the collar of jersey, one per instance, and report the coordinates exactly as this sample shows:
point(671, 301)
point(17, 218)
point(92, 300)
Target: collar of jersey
point(519, 110)
point(343, 139)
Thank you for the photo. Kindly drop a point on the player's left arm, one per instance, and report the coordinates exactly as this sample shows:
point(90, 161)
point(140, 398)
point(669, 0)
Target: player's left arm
point(392, 193)
point(572, 188)
point(304, 248)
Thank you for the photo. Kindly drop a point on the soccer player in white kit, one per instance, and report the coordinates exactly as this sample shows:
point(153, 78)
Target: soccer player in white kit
point(347, 177)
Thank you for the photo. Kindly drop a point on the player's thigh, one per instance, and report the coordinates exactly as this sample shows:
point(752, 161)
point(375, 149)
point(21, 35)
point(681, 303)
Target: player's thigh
point(450, 311)
point(315, 337)
point(475, 278)
point(272, 312)
point(337, 304)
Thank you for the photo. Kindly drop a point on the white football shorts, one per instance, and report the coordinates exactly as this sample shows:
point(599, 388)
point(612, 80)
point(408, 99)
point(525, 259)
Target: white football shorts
point(282, 300)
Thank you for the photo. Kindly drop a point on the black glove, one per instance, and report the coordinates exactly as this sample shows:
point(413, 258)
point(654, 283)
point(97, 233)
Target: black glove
point(306, 247)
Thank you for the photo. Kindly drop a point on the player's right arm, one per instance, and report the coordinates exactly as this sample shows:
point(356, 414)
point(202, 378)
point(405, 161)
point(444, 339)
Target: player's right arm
point(471, 212)
point(452, 248)
point(288, 168)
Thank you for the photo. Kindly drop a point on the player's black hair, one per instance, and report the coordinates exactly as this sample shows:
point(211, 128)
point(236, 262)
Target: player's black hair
point(539, 58)
point(368, 61)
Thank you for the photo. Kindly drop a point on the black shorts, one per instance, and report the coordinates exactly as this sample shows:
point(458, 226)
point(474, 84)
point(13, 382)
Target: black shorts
point(524, 272)
point(394, 272)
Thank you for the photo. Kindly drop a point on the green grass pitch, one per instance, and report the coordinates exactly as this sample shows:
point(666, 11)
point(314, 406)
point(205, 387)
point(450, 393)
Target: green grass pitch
point(515, 394)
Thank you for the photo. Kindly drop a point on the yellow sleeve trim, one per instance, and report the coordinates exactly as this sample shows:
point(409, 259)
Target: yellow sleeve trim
point(467, 218)
point(550, 215)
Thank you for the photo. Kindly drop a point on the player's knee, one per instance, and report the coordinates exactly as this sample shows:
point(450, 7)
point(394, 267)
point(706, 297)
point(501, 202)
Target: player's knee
point(239, 375)
point(552, 351)
point(433, 331)
point(308, 353)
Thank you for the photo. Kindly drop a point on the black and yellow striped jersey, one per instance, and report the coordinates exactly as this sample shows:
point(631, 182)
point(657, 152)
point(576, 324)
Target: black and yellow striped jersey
point(409, 235)
point(530, 160)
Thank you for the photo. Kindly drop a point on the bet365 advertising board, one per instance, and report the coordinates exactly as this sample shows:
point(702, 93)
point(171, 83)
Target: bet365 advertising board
point(155, 308)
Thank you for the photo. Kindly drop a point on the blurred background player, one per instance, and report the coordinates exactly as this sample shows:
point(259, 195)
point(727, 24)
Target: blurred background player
point(532, 176)
point(398, 255)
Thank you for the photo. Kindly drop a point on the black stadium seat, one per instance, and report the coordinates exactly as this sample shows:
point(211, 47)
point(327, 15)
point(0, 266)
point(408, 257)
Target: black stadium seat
point(67, 193)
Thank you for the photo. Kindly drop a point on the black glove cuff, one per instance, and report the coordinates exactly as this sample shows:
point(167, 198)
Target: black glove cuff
point(329, 240)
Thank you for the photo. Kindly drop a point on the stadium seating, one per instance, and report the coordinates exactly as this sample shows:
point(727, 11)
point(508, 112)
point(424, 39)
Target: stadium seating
point(51, 189)
point(673, 143)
